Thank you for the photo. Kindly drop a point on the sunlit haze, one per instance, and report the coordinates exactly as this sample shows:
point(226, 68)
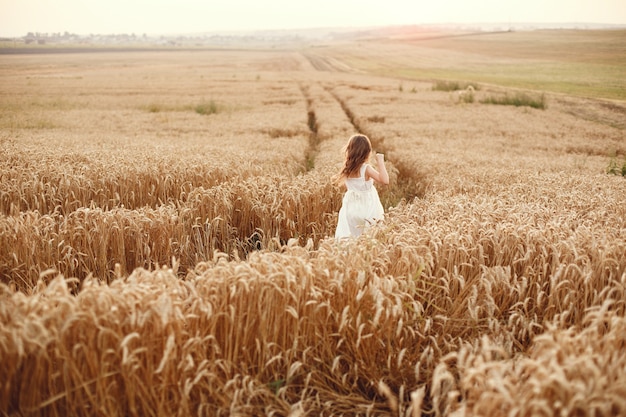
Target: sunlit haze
point(17, 17)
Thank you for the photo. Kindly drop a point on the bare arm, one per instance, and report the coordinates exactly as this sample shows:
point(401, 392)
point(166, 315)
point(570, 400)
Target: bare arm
point(380, 176)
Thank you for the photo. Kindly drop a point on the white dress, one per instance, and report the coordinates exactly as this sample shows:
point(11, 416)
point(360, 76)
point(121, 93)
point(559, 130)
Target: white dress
point(360, 207)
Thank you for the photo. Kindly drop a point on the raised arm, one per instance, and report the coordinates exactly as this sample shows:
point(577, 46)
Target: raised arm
point(381, 176)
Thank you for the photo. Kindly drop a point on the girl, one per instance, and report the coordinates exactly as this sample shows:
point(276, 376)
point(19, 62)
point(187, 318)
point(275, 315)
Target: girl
point(361, 205)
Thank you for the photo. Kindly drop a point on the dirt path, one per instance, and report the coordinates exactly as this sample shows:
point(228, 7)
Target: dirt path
point(325, 63)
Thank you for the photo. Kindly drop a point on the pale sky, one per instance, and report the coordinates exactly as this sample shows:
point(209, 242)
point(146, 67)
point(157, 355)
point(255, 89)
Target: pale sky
point(17, 17)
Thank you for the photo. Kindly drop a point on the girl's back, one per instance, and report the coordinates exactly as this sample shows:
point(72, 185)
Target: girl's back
point(359, 183)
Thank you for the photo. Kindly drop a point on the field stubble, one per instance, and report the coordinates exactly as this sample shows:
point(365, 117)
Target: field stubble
point(201, 279)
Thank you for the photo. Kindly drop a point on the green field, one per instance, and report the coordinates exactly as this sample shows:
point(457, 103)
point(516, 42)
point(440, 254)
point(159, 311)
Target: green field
point(581, 63)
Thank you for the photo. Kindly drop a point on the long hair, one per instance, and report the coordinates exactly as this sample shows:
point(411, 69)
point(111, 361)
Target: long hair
point(357, 152)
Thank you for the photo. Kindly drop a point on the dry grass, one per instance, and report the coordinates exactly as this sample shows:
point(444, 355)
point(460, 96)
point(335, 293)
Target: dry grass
point(172, 263)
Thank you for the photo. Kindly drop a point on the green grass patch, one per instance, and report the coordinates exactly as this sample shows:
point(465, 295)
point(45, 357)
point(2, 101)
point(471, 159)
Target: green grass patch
point(452, 86)
point(582, 80)
point(518, 100)
point(154, 108)
point(617, 168)
point(281, 133)
point(207, 108)
point(203, 108)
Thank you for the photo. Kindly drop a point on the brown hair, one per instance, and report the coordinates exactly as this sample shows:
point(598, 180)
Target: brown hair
point(357, 151)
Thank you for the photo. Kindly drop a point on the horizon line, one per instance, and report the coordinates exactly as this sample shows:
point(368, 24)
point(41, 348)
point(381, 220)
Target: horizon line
point(510, 24)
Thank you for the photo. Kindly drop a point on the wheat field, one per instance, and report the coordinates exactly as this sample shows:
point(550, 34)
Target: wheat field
point(166, 223)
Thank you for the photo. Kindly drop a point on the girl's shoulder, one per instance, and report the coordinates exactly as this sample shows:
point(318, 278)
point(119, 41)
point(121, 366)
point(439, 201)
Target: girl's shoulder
point(363, 169)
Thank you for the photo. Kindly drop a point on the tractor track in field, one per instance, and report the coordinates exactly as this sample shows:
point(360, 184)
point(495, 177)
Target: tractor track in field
point(314, 139)
point(326, 63)
point(312, 122)
point(378, 143)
